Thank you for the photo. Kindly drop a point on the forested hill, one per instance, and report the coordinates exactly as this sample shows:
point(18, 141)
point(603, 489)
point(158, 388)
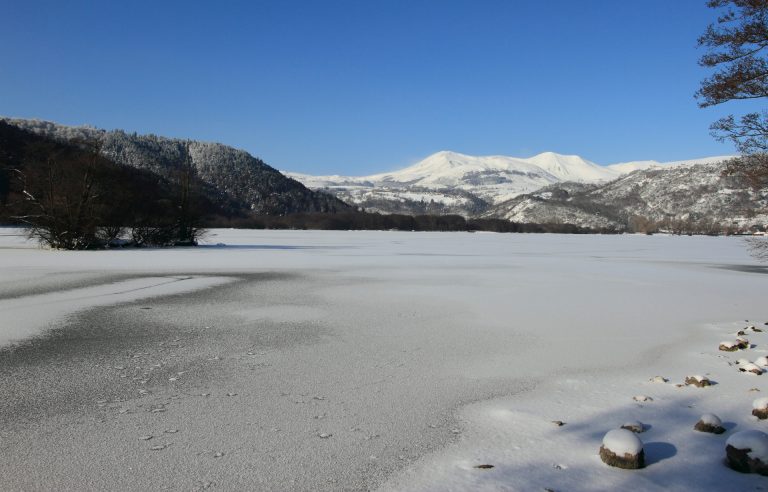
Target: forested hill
point(233, 179)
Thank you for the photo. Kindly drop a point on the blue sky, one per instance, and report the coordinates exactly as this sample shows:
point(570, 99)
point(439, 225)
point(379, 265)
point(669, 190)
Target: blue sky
point(355, 87)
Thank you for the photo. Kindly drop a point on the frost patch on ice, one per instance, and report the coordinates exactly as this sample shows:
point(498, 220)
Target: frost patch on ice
point(30, 316)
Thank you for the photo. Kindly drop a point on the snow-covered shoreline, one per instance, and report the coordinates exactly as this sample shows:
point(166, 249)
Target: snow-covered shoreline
point(379, 341)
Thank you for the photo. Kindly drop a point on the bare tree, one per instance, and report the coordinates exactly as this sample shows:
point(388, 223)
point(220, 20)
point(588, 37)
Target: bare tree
point(61, 197)
point(187, 227)
point(737, 48)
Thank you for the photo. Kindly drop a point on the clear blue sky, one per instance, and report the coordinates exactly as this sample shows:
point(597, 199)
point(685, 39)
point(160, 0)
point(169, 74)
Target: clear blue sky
point(360, 86)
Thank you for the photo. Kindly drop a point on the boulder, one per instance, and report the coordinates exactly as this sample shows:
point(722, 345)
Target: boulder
point(747, 452)
point(760, 408)
point(635, 426)
point(622, 449)
point(711, 423)
point(751, 368)
point(729, 346)
point(698, 381)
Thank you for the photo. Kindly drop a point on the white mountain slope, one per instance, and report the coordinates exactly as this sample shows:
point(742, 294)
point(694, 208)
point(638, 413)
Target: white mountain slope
point(628, 167)
point(450, 182)
point(682, 198)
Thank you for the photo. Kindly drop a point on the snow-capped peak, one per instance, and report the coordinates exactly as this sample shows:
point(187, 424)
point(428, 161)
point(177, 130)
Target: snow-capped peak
point(572, 167)
point(445, 175)
point(448, 168)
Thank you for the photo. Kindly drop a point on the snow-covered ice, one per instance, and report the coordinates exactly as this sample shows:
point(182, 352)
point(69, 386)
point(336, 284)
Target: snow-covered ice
point(28, 316)
point(418, 355)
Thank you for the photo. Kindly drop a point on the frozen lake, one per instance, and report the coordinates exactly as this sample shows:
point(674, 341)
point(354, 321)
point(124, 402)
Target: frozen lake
point(313, 360)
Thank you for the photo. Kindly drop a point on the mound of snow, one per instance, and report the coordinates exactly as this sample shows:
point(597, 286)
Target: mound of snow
point(760, 404)
point(711, 419)
point(622, 441)
point(747, 451)
point(623, 449)
point(709, 422)
point(760, 408)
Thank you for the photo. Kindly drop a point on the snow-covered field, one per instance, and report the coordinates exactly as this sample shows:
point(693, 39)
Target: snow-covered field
point(292, 360)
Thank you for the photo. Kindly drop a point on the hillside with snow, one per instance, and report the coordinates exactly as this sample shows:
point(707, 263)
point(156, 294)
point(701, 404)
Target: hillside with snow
point(683, 197)
point(233, 178)
point(450, 182)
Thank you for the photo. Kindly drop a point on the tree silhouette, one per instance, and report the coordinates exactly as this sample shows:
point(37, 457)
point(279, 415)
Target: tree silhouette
point(737, 48)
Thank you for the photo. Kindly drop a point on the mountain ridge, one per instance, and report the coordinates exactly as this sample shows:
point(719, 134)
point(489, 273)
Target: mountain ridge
point(235, 178)
point(681, 198)
point(451, 182)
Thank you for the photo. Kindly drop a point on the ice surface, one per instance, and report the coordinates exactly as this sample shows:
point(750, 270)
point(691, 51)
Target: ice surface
point(29, 316)
point(419, 355)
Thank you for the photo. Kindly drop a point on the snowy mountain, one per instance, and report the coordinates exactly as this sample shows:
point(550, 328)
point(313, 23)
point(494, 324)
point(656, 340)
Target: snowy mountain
point(235, 179)
point(628, 167)
point(681, 197)
point(450, 182)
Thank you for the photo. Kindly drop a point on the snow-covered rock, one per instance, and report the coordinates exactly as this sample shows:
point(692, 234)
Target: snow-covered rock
point(743, 342)
point(762, 361)
point(730, 346)
point(623, 449)
point(747, 451)
point(709, 422)
point(760, 408)
point(751, 368)
point(634, 425)
point(698, 381)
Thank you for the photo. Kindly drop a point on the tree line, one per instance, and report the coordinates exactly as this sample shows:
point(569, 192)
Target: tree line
point(378, 222)
point(71, 197)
